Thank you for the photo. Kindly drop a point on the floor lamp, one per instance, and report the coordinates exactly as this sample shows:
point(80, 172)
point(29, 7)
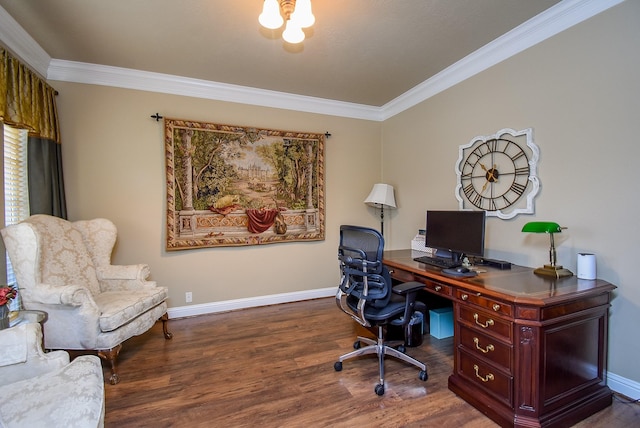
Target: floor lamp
point(381, 196)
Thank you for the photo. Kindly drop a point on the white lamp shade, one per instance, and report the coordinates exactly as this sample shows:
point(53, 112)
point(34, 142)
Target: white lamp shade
point(302, 15)
point(292, 33)
point(381, 196)
point(270, 16)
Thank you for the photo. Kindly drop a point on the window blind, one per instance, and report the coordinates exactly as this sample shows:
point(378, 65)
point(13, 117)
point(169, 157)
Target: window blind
point(16, 192)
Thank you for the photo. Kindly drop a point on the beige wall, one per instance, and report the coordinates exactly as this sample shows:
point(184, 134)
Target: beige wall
point(580, 92)
point(113, 156)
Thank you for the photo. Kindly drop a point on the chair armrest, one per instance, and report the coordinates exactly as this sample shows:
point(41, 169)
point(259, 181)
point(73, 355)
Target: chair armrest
point(21, 354)
point(46, 294)
point(138, 272)
point(124, 277)
point(409, 290)
point(408, 287)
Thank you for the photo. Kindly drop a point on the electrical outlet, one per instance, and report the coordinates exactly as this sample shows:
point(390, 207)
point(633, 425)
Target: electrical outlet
point(188, 297)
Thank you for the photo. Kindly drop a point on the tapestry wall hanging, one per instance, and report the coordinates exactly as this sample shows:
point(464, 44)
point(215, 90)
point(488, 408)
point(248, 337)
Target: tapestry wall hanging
point(233, 185)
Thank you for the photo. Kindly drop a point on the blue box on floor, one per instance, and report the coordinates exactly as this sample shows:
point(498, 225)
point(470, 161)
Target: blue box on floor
point(441, 322)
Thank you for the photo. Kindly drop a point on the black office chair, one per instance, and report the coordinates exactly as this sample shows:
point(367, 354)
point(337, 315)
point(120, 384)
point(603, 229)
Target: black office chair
point(368, 296)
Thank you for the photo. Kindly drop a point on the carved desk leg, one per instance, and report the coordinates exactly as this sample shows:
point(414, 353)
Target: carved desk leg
point(111, 355)
point(165, 327)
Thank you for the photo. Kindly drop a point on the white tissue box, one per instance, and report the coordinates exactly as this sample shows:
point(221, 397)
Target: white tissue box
point(418, 244)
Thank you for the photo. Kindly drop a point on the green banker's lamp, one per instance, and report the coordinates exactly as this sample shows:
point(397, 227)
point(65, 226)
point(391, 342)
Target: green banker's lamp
point(556, 271)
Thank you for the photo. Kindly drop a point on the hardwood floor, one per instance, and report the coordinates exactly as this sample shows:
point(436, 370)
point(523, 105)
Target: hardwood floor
point(273, 367)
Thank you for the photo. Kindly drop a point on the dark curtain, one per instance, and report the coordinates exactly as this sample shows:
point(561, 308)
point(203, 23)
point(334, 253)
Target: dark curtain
point(28, 102)
point(46, 186)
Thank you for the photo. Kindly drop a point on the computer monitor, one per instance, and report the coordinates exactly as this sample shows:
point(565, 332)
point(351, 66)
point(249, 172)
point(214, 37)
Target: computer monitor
point(458, 232)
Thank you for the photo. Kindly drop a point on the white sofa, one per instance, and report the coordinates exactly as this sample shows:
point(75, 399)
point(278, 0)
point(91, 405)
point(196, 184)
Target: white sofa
point(44, 389)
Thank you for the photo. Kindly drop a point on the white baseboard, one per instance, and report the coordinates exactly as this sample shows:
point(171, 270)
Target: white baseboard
point(250, 302)
point(619, 384)
point(624, 386)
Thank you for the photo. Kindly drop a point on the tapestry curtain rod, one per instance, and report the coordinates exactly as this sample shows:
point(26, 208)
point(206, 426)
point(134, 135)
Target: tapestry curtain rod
point(157, 117)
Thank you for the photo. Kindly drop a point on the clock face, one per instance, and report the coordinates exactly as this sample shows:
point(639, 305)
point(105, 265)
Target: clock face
point(498, 174)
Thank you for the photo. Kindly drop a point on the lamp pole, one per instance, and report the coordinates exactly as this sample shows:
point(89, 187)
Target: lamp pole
point(381, 195)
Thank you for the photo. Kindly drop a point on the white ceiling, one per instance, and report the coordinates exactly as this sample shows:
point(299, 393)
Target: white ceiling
point(366, 52)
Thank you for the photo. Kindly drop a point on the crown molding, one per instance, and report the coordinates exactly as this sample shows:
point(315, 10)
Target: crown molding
point(556, 19)
point(21, 44)
point(94, 74)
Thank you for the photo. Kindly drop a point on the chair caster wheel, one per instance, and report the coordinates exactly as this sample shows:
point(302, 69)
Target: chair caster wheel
point(402, 349)
point(379, 389)
point(423, 375)
point(356, 344)
point(337, 366)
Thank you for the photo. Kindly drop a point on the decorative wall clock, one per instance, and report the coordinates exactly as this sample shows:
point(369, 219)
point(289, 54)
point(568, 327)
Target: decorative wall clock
point(498, 173)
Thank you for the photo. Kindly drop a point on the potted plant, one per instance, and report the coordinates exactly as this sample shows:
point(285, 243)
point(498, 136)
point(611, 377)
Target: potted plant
point(7, 293)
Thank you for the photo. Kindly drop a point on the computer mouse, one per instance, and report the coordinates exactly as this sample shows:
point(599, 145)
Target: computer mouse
point(462, 269)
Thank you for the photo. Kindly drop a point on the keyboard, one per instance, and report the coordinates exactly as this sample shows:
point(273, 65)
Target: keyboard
point(437, 261)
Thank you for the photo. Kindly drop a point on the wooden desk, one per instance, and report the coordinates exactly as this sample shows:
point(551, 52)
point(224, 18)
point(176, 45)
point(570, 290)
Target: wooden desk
point(529, 351)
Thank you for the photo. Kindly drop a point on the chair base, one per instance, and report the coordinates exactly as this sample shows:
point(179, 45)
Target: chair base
point(165, 326)
point(381, 348)
point(111, 355)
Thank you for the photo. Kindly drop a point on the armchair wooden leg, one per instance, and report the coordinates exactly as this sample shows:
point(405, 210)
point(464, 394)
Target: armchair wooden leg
point(111, 355)
point(165, 328)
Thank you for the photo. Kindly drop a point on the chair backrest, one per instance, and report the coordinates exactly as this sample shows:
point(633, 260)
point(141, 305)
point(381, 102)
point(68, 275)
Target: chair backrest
point(364, 277)
point(62, 256)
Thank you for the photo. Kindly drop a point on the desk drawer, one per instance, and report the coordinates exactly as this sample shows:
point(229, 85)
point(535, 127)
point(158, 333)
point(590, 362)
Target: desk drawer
point(485, 302)
point(435, 287)
point(486, 347)
point(486, 322)
point(486, 377)
point(438, 288)
point(403, 275)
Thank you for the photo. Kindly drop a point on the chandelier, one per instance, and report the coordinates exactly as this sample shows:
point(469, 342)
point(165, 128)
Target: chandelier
point(297, 14)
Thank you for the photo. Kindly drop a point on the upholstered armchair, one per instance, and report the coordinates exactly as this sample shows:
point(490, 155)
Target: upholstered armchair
point(43, 389)
point(64, 268)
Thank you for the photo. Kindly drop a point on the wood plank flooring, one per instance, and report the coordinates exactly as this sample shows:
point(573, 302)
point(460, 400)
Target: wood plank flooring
point(273, 367)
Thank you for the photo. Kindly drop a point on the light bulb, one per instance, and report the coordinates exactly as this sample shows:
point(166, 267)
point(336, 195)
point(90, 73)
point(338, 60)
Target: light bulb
point(270, 16)
point(302, 15)
point(292, 33)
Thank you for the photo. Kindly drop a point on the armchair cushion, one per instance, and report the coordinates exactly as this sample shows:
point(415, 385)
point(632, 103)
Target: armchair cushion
point(119, 307)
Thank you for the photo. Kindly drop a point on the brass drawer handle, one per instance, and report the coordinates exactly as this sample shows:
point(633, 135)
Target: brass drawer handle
point(485, 325)
point(437, 288)
point(464, 296)
point(496, 307)
point(486, 350)
point(487, 378)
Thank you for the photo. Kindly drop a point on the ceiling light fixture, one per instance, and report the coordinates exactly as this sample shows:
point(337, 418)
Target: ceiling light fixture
point(297, 14)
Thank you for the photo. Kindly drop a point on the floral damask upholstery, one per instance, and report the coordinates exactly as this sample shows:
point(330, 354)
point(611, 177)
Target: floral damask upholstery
point(43, 389)
point(64, 268)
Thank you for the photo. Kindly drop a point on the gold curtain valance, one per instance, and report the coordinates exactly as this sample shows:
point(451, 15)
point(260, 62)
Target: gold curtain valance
point(27, 101)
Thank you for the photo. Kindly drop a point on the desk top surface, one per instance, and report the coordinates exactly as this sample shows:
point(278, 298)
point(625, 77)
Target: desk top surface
point(518, 284)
